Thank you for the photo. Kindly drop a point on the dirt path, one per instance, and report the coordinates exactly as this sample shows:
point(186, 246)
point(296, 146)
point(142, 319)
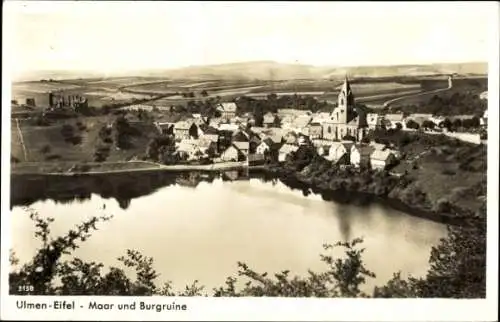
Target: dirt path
point(21, 139)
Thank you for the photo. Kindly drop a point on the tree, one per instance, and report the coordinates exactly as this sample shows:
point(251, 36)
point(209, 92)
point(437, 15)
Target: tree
point(446, 124)
point(457, 123)
point(411, 124)
point(427, 124)
point(204, 93)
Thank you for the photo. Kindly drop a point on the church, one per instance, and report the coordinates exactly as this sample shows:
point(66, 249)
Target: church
point(345, 120)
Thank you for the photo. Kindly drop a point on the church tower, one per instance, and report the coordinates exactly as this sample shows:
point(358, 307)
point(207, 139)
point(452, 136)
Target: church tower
point(345, 110)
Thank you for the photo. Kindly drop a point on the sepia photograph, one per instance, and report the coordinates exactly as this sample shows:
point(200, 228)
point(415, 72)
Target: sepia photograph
point(158, 157)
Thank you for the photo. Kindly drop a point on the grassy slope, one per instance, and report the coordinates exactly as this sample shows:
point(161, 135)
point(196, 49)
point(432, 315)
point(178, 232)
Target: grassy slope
point(36, 137)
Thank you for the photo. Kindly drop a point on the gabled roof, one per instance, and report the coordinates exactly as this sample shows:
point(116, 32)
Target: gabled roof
point(302, 121)
point(362, 149)
point(394, 117)
point(227, 107)
point(241, 145)
point(381, 155)
point(287, 148)
point(337, 145)
point(183, 125)
point(377, 146)
point(211, 137)
point(269, 117)
point(207, 129)
point(354, 121)
point(228, 127)
point(269, 142)
point(241, 136)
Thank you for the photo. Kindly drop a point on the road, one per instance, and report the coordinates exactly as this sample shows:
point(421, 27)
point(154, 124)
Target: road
point(392, 101)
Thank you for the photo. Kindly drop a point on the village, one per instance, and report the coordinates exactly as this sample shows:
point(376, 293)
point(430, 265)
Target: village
point(339, 136)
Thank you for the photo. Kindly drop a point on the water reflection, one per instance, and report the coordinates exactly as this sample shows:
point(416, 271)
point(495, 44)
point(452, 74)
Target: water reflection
point(198, 225)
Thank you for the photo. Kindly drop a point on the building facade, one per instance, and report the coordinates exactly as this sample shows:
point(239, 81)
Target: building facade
point(345, 120)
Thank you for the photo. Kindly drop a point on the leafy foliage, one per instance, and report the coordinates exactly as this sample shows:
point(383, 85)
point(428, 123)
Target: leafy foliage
point(457, 270)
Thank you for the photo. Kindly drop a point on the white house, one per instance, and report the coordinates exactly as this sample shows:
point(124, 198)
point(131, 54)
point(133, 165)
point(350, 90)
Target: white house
point(231, 154)
point(227, 110)
point(380, 159)
point(285, 150)
point(263, 148)
point(360, 155)
point(243, 147)
point(338, 152)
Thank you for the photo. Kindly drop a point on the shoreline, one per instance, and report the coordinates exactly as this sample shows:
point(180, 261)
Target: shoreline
point(363, 198)
point(292, 180)
point(155, 167)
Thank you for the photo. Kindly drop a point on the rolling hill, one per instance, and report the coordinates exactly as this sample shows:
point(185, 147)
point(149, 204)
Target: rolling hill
point(270, 70)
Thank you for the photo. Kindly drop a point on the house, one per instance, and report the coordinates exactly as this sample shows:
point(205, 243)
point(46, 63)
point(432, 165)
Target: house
point(285, 150)
point(185, 130)
point(188, 150)
point(215, 122)
point(227, 110)
point(207, 146)
point(300, 124)
point(270, 120)
point(165, 128)
point(254, 140)
point(322, 150)
point(381, 159)
point(338, 152)
point(241, 135)
point(391, 121)
point(373, 120)
point(232, 154)
point(290, 138)
point(243, 147)
point(206, 129)
point(360, 155)
point(315, 131)
point(484, 120)
point(264, 147)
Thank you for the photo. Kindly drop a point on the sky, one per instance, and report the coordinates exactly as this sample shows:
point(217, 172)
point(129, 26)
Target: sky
point(118, 36)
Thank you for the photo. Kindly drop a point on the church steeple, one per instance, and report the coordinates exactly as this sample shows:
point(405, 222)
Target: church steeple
point(346, 97)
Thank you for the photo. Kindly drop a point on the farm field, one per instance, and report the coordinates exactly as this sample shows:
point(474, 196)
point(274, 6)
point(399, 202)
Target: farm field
point(474, 86)
point(98, 93)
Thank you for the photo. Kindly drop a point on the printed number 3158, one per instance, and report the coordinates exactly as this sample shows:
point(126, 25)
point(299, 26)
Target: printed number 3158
point(25, 288)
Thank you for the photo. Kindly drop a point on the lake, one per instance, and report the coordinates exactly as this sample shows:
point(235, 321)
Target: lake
point(198, 230)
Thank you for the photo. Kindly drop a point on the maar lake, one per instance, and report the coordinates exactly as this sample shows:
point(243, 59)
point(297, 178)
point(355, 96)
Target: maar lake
point(199, 233)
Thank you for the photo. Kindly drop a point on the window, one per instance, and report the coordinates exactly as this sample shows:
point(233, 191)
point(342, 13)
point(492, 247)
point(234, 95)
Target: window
point(329, 129)
point(341, 101)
